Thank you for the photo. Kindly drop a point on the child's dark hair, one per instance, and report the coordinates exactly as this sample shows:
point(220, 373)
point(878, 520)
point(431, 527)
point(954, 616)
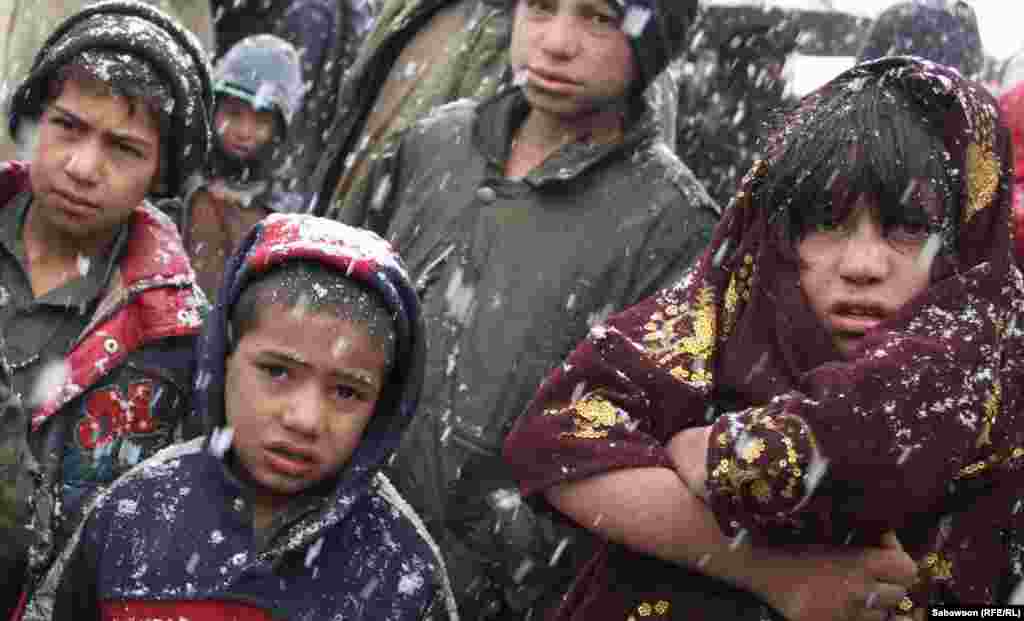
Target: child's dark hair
point(311, 288)
point(860, 137)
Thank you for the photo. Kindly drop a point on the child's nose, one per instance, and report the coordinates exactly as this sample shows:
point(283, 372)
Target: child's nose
point(303, 411)
point(865, 257)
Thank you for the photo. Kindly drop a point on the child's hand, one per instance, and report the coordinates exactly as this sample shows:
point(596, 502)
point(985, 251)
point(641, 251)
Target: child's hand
point(689, 452)
point(842, 584)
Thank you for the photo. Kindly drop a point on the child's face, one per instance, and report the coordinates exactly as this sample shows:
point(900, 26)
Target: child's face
point(300, 391)
point(243, 129)
point(96, 158)
point(573, 54)
point(855, 274)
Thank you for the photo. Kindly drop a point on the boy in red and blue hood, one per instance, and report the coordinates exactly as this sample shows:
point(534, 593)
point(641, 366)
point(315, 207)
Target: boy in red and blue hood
point(310, 368)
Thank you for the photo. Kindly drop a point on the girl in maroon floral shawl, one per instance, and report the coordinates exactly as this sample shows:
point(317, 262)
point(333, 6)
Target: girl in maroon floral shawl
point(851, 335)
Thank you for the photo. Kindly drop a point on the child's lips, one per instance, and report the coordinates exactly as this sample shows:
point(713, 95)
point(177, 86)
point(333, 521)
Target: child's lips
point(240, 150)
point(854, 325)
point(855, 319)
point(291, 461)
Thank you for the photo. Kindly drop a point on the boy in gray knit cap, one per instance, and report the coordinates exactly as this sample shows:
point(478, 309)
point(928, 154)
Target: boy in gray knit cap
point(98, 304)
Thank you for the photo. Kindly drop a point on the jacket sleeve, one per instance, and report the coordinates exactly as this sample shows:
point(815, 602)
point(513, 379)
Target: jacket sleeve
point(76, 595)
point(374, 207)
point(674, 242)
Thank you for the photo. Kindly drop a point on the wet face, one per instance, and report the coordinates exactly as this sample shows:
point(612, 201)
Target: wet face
point(855, 274)
point(573, 54)
point(96, 157)
point(243, 129)
point(300, 390)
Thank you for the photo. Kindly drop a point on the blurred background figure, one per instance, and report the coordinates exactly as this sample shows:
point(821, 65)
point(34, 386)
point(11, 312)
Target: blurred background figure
point(420, 54)
point(737, 82)
point(257, 86)
point(25, 24)
point(942, 31)
point(327, 35)
point(1012, 103)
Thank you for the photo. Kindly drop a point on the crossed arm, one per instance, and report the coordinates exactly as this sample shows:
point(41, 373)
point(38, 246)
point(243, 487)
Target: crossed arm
point(653, 511)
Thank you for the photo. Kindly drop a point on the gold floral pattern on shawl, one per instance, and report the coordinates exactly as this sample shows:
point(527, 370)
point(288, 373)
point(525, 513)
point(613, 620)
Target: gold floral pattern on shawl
point(740, 284)
point(593, 416)
point(936, 567)
point(756, 471)
point(659, 608)
point(993, 460)
point(663, 343)
point(992, 406)
point(982, 178)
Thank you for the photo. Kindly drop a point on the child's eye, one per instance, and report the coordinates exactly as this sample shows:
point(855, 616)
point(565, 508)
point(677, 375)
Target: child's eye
point(346, 392)
point(602, 20)
point(909, 232)
point(273, 371)
point(128, 150)
point(540, 6)
point(62, 122)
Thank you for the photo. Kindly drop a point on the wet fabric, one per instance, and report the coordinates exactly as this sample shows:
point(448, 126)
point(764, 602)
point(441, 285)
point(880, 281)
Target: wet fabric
point(37, 331)
point(399, 77)
point(179, 528)
point(512, 273)
point(214, 219)
point(119, 395)
point(943, 31)
point(920, 429)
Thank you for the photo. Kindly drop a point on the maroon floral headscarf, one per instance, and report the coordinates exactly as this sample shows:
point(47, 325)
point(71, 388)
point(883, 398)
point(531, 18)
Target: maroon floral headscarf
point(919, 433)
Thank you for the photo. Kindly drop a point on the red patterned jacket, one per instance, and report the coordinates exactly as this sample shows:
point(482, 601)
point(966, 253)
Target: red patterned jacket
point(122, 395)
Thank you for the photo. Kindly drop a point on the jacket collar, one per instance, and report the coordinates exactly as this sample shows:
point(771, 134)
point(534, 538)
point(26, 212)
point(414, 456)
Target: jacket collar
point(152, 294)
point(501, 115)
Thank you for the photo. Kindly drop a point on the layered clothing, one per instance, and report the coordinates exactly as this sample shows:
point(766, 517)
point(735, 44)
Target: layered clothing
point(175, 537)
point(102, 396)
point(218, 210)
point(919, 431)
point(512, 273)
